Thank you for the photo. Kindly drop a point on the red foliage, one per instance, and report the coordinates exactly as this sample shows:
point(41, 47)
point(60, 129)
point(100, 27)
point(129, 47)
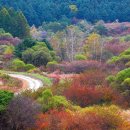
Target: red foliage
point(85, 96)
point(115, 47)
point(79, 66)
point(62, 120)
point(91, 78)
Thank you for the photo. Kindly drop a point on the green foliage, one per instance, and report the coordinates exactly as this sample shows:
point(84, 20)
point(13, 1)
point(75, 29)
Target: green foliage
point(123, 58)
point(38, 55)
point(127, 38)
point(14, 23)
point(80, 57)
point(54, 26)
point(122, 75)
point(101, 29)
point(86, 9)
point(5, 98)
point(48, 45)
point(18, 65)
point(121, 80)
point(110, 78)
point(41, 57)
point(29, 67)
point(49, 101)
point(51, 63)
point(73, 8)
point(27, 43)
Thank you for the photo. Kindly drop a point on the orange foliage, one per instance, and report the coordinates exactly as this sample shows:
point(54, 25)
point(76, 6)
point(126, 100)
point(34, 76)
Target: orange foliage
point(91, 78)
point(62, 120)
point(85, 96)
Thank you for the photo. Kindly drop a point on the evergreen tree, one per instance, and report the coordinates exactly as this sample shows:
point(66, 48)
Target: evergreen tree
point(23, 30)
point(14, 23)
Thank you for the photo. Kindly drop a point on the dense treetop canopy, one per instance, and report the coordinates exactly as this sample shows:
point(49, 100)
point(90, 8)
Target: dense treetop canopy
point(37, 11)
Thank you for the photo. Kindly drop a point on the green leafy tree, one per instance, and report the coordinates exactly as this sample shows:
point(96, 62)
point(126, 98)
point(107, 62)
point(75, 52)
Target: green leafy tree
point(27, 43)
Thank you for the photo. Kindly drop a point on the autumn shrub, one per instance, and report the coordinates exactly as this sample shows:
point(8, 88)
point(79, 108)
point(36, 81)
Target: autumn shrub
point(86, 96)
point(22, 113)
point(115, 47)
point(94, 118)
point(58, 89)
point(79, 66)
point(91, 78)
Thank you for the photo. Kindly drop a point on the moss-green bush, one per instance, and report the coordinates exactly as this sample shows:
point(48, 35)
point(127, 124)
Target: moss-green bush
point(5, 98)
point(80, 57)
point(49, 101)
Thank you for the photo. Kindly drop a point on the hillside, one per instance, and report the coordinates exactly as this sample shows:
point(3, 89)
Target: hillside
point(64, 65)
point(38, 11)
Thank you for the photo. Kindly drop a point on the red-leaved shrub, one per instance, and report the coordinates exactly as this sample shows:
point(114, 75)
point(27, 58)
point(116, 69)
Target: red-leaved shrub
point(62, 120)
point(86, 96)
point(79, 66)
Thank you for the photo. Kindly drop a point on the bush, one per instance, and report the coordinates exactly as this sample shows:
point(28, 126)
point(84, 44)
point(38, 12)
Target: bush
point(51, 65)
point(94, 118)
point(80, 57)
point(29, 67)
point(49, 101)
point(22, 113)
point(122, 60)
point(18, 65)
point(79, 66)
point(83, 95)
point(5, 98)
point(91, 78)
point(127, 38)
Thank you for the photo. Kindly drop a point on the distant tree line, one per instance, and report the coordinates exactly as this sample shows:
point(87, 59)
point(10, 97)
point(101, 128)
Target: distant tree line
point(37, 11)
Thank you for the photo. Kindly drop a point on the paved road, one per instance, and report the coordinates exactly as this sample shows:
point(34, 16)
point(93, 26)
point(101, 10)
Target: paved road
point(33, 84)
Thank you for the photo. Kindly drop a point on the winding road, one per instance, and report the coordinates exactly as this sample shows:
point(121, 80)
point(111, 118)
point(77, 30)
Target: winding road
point(32, 83)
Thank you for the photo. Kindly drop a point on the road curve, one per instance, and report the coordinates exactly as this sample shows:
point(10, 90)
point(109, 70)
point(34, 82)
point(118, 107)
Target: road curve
point(33, 84)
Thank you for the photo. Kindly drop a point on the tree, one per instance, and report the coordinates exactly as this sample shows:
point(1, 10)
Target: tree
point(14, 23)
point(94, 46)
point(27, 56)
point(41, 57)
point(27, 43)
point(23, 29)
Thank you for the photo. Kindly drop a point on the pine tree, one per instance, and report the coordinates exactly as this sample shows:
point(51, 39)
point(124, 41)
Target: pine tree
point(23, 30)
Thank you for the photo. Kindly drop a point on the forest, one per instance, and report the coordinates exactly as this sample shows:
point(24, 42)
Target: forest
point(64, 65)
point(58, 10)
